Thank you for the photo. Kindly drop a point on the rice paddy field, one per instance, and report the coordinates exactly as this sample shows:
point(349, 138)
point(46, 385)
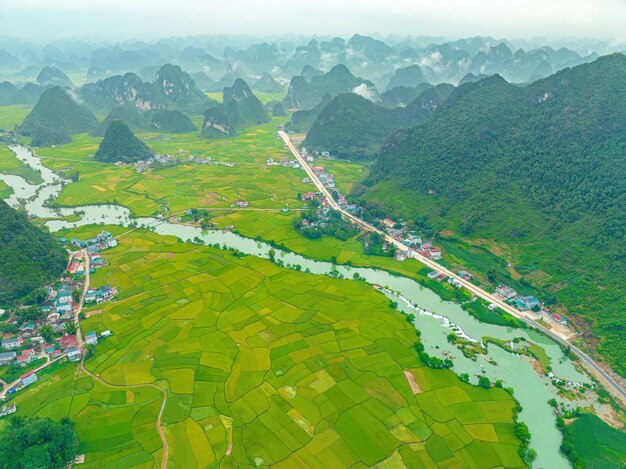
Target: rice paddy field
point(188, 185)
point(261, 366)
point(9, 164)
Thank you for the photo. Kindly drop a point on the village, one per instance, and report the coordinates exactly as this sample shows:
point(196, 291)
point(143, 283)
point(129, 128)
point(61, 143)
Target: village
point(34, 337)
point(399, 232)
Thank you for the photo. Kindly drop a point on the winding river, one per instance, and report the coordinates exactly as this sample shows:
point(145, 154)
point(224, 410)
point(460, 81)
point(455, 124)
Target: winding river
point(434, 317)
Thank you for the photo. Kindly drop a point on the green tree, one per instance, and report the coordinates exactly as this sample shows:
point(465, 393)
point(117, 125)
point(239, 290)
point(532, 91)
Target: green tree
point(69, 328)
point(484, 382)
point(36, 443)
point(47, 332)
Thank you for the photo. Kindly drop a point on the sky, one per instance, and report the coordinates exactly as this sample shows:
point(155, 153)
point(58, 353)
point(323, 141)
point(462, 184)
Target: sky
point(150, 19)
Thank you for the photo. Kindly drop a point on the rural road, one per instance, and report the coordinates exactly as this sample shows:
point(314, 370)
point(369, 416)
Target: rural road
point(79, 342)
point(158, 422)
point(588, 363)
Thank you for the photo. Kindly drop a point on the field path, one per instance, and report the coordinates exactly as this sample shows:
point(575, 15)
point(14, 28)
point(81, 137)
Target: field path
point(159, 427)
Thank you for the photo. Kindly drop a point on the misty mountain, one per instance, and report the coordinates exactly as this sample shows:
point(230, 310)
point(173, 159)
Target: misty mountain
point(127, 113)
point(178, 86)
point(53, 76)
point(306, 94)
point(172, 121)
point(408, 77)
point(240, 108)
point(56, 110)
point(538, 169)
point(353, 127)
point(267, 84)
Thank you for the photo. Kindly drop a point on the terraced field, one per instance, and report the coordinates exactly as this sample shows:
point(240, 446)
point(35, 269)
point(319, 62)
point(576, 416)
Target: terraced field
point(263, 366)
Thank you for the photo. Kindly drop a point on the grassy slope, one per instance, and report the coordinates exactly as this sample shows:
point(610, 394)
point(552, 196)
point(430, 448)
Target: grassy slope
point(304, 369)
point(596, 444)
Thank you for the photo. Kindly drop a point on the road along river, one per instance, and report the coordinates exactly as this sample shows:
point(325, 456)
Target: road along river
point(434, 317)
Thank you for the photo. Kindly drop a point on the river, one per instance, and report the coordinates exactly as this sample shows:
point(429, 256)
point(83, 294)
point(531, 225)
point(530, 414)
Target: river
point(434, 317)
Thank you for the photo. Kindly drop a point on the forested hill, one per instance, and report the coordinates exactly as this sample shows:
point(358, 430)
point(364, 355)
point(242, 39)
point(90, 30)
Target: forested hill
point(120, 144)
point(353, 127)
point(29, 257)
point(539, 169)
point(57, 110)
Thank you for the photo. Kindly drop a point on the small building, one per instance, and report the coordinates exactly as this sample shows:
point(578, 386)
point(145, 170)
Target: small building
point(308, 196)
point(465, 275)
point(6, 358)
point(435, 253)
point(28, 378)
point(432, 275)
point(10, 344)
point(107, 292)
point(505, 292)
point(73, 354)
point(91, 338)
point(241, 204)
point(7, 410)
point(67, 342)
point(106, 333)
point(389, 223)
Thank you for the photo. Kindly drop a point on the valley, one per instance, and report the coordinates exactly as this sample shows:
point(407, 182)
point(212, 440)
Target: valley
point(262, 260)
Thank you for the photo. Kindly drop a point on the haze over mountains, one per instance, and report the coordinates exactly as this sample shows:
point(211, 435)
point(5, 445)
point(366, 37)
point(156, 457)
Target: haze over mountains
point(209, 59)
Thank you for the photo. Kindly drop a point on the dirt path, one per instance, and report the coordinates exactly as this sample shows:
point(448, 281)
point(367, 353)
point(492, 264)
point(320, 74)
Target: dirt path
point(159, 427)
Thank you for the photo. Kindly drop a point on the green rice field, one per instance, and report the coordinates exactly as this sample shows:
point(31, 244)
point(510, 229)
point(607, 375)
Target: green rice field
point(262, 366)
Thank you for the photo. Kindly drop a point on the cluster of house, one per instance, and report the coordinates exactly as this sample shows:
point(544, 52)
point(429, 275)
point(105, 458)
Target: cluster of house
point(98, 295)
point(65, 346)
point(411, 239)
point(103, 240)
point(524, 303)
point(440, 277)
point(328, 179)
point(284, 162)
point(241, 204)
point(309, 156)
point(142, 165)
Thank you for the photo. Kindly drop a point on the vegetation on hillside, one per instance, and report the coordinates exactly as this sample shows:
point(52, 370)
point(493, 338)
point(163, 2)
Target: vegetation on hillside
point(127, 113)
point(536, 169)
point(305, 94)
point(353, 127)
point(56, 110)
point(240, 108)
point(45, 137)
point(120, 144)
point(29, 257)
point(172, 121)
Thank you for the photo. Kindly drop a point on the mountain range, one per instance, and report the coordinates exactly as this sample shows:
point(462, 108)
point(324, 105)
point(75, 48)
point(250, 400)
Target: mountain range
point(538, 170)
point(353, 127)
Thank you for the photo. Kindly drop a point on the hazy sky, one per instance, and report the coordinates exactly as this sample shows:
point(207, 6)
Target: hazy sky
point(122, 19)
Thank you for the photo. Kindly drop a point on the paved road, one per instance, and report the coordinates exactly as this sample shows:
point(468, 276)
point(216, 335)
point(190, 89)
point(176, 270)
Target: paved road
point(588, 363)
